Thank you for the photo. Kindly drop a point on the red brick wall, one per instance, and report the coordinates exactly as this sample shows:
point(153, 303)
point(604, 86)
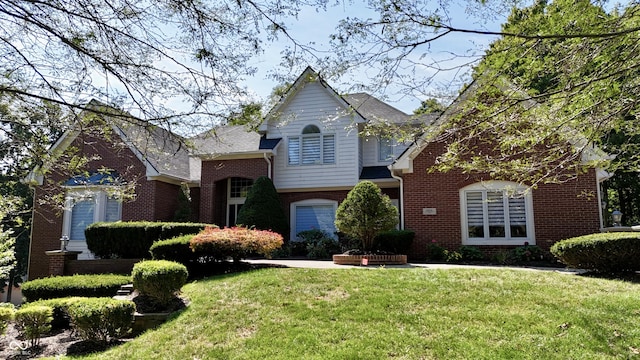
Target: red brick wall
point(213, 172)
point(47, 219)
point(559, 211)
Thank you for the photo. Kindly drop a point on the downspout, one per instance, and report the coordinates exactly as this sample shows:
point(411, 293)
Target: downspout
point(401, 200)
point(268, 160)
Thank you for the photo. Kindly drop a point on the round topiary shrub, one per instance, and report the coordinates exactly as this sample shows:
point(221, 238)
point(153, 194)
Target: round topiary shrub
point(607, 252)
point(160, 280)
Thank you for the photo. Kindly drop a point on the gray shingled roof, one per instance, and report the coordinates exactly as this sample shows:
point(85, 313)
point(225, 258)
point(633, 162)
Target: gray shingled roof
point(165, 151)
point(231, 139)
point(373, 109)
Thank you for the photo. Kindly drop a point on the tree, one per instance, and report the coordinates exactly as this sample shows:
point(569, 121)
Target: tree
point(7, 241)
point(365, 213)
point(262, 208)
point(429, 106)
point(562, 71)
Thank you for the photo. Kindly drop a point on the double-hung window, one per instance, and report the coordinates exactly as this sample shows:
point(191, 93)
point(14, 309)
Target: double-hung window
point(496, 213)
point(311, 147)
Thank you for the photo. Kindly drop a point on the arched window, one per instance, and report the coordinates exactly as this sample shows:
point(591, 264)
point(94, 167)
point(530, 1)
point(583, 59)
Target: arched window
point(496, 213)
point(311, 147)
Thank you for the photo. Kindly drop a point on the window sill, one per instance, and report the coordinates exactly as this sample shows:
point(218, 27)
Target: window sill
point(499, 242)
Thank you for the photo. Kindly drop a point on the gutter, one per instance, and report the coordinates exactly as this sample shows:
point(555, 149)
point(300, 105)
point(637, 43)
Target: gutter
point(268, 160)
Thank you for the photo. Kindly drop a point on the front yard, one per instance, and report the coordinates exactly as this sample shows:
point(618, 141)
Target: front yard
point(397, 313)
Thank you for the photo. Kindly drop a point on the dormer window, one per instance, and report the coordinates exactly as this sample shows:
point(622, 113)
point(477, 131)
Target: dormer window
point(312, 147)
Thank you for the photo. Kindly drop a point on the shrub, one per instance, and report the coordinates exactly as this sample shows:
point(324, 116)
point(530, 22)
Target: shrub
point(33, 321)
point(503, 257)
point(160, 280)
point(395, 241)
point(452, 256)
point(317, 244)
point(527, 253)
point(607, 252)
point(436, 252)
point(470, 253)
point(6, 315)
point(59, 307)
point(132, 240)
point(101, 319)
point(76, 285)
point(262, 209)
point(365, 213)
point(176, 249)
point(235, 242)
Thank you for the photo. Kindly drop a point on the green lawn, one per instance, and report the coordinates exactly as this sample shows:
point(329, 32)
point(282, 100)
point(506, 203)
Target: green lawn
point(398, 314)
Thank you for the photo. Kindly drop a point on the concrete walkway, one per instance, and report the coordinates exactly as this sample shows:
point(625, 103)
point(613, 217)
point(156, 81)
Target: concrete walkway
point(328, 264)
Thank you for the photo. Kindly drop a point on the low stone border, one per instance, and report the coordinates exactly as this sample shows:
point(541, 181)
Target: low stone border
point(342, 259)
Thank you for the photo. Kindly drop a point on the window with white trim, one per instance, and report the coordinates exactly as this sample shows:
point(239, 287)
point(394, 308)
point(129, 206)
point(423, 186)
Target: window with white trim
point(313, 214)
point(311, 147)
point(496, 213)
point(87, 206)
point(236, 196)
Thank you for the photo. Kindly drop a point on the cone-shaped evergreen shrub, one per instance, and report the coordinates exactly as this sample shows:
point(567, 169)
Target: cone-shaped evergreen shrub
point(262, 209)
point(366, 212)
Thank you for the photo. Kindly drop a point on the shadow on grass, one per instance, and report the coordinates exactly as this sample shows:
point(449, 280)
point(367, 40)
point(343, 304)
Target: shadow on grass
point(629, 276)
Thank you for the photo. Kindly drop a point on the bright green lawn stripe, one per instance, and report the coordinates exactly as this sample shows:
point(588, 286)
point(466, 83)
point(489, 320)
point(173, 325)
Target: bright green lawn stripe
point(398, 314)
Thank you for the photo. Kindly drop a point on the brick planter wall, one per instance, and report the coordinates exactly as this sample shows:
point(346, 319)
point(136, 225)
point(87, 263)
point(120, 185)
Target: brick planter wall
point(341, 259)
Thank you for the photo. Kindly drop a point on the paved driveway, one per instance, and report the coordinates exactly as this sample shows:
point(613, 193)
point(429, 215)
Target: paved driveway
point(328, 264)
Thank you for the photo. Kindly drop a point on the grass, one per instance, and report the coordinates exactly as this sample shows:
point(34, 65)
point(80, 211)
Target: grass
point(397, 314)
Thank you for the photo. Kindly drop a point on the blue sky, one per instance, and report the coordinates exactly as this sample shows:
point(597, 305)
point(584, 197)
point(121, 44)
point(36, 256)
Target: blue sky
point(316, 26)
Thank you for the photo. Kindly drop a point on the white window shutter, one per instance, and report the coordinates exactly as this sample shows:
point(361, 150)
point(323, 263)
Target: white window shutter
point(328, 149)
point(311, 149)
point(82, 215)
point(294, 151)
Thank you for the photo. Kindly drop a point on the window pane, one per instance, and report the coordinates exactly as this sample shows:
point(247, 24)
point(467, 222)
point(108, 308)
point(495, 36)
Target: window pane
point(311, 149)
point(112, 210)
point(240, 187)
point(329, 149)
point(294, 151)
point(475, 214)
point(517, 217)
point(385, 149)
point(311, 129)
point(315, 217)
point(81, 217)
point(495, 207)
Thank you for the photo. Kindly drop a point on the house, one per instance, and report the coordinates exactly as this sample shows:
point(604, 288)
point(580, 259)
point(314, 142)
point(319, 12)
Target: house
point(313, 147)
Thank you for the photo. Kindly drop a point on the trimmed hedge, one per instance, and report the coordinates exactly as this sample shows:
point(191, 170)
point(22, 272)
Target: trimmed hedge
point(101, 319)
point(132, 240)
point(395, 241)
point(159, 279)
point(236, 242)
point(606, 252)
point(59, 306)
point(76, 285)
point(33, 321)
point(6, 315)
point(176, 249)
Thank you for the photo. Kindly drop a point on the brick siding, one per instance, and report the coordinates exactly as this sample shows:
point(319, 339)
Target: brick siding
point(559, 210)
point(154, 200)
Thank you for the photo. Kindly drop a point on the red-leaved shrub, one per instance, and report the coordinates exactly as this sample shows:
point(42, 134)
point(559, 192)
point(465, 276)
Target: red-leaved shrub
point(235, 242)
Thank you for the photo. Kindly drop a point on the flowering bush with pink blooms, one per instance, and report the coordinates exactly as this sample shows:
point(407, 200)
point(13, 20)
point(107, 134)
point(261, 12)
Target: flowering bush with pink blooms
point(235, 242)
